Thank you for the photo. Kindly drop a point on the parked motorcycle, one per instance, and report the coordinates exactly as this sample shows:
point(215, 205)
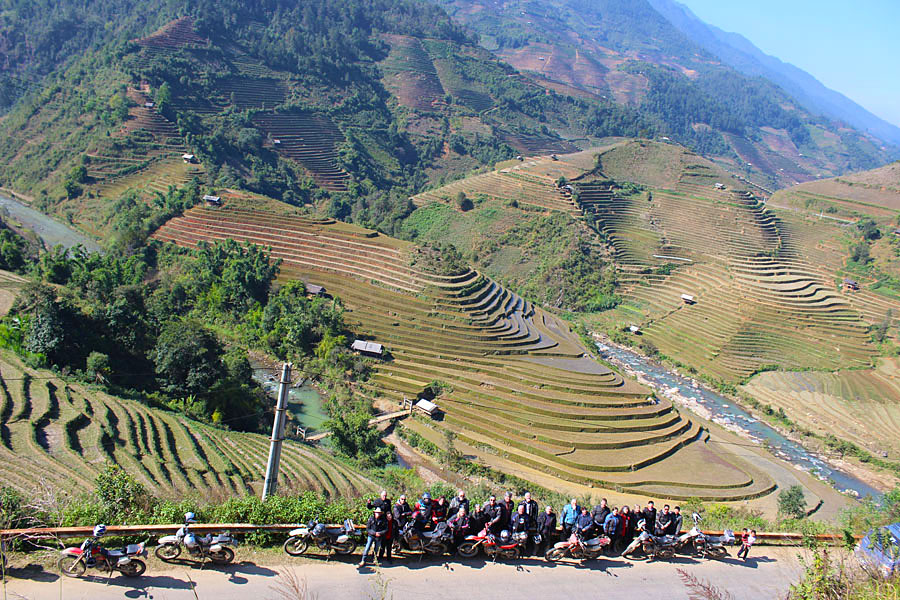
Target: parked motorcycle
point(506, 545)
point(73, 562)
point(653, 546)
point(708, 546)
point(214, 547)
point(577, 547)
point(435, 542)
point(341, 540)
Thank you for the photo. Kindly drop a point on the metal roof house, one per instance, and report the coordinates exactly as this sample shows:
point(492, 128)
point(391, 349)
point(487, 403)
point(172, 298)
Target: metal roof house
point(214, 200)
point(688, 299)
point(426, 406)
point(850, 284)
point(188, 158)
point(314, 290)
point(369, 348)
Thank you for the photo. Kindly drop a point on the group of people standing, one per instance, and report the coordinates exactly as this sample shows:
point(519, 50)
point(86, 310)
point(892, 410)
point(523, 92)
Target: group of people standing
point(466, 518)
point(620, 525)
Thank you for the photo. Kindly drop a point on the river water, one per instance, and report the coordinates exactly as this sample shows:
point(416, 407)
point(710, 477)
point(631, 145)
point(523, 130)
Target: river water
point(52, 232)
point(304, 401)
point(719, 409)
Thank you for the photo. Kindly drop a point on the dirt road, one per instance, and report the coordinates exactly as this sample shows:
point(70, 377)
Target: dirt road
point(767, 575)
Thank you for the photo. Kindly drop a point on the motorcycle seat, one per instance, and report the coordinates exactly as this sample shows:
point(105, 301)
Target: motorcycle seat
point(115, 553)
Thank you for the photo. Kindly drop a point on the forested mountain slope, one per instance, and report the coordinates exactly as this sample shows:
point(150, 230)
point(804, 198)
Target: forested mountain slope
point(737, 51)
point(302, 102)
point(629, 52)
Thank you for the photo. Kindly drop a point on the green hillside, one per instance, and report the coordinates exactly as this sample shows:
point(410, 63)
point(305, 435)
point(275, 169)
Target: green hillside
point(66, 432)
point(629, 52)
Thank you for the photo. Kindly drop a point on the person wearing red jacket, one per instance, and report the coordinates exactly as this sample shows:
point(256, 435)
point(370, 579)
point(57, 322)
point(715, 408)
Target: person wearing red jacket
point(388, 540)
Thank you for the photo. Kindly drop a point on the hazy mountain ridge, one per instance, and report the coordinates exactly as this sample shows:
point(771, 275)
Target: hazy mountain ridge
point(740, 53)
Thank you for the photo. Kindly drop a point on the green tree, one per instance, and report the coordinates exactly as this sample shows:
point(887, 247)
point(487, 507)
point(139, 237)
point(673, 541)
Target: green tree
point(352, 436)
point(791, 502)
point(119, 493)
point(187, 359)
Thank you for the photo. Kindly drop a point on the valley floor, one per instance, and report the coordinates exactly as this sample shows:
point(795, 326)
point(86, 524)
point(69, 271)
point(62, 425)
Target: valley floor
point(767, 574)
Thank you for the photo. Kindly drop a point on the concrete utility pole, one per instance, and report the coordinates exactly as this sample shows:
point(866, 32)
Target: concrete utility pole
point(271, 482)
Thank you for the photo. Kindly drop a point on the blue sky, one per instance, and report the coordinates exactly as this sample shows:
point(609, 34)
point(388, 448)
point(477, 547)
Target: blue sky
point(852, 47)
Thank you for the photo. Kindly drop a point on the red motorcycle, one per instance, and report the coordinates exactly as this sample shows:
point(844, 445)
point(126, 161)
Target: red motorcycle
point(505, 545)
point(73, 562)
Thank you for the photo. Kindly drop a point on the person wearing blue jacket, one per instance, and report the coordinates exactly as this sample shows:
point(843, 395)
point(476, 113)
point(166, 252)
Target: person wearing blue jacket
point(611, 527)
point(569, 516)
point(585, 524)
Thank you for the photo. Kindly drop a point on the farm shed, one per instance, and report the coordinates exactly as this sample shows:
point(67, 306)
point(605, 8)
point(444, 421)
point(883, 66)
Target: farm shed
point(368, 348)
point(149, 105)
point(850, 284)
point(314, 290)
point(426, 406)
point(214, 200)
point(188, 158)
point(634, 329)
point(688, 299)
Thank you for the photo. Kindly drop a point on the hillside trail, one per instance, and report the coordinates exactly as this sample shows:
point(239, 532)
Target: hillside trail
point(767, 574)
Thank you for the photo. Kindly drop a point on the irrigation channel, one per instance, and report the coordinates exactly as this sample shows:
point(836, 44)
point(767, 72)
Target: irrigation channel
point(719, 409)
point(52, 232)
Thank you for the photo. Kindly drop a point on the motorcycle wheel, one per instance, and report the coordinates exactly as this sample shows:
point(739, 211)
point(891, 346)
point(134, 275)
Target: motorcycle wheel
point(222, 557)
point(467, 549)
point(167, 552)
point(716, 553)
point(555, 554)
point(71, 566)
point(135, 568)
point(346, 548)
point(513, 554)
point(296, 545)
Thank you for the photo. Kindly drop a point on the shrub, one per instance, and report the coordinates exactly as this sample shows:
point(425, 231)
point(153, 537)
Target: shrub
point(791, 502)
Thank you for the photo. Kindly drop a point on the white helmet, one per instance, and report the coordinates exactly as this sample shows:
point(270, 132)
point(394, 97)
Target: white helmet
point(642, 524)
point(99, 530)
point(190, 517)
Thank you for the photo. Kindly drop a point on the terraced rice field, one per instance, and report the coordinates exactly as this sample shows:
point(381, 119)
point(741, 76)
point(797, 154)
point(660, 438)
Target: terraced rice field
point(861, 406)
point(63, 434)
point(173, 35)
point(309, 139)
point(410, 74)
point(531, 182)
point(522, 387)
point(759, 301)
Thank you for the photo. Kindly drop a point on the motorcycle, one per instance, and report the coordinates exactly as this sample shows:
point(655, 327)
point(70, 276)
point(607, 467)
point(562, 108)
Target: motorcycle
point(506, 545)
point(435, 542)
point(708, 546)
point(73, 562)
point(341, 540)
point(713, 546)
point(211, 546)
point(653, 546)
point(577, 547)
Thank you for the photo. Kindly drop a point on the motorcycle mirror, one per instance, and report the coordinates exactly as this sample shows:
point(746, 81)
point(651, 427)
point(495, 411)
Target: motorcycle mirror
point(696, 517)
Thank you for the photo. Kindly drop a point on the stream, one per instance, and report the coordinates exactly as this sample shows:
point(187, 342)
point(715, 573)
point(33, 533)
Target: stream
point(723, 411)
point(51, 231)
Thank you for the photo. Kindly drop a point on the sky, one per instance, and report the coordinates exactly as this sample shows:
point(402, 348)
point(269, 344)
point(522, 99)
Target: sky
point(852, 47)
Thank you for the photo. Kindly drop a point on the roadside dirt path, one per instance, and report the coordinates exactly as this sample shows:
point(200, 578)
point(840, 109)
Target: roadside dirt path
point(768, 574)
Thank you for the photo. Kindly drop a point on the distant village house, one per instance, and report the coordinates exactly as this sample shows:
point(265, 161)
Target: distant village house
point(213, 200)
point(850, 285)
point(315, 290)
point(368, 348)
point(189, 158)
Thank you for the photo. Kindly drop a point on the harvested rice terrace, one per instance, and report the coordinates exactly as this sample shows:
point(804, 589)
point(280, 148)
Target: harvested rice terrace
point(311, 141)
point(505, 185)
point(66, 433)
point(522, 387)
point(408, 70)
point(757, 301)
